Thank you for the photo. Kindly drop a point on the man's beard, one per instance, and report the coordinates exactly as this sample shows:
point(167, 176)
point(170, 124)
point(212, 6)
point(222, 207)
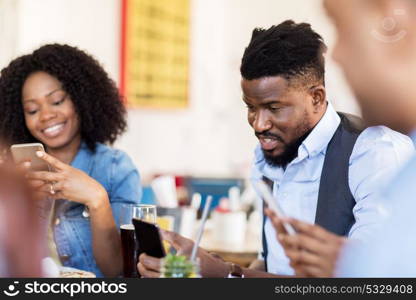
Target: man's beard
point(290, 149)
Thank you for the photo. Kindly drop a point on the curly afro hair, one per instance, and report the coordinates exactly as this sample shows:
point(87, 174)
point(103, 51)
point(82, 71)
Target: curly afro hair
point(289, 50)
point(96, 98)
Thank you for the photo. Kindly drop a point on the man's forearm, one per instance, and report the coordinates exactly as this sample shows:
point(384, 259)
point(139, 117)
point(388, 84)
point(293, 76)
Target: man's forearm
point(252, 273)
point(257, 269)
point(258, 264)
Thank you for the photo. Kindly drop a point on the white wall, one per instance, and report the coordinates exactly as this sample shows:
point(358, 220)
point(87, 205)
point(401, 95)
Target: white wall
point(8, 30)
point(92, 25)
point(212, 136)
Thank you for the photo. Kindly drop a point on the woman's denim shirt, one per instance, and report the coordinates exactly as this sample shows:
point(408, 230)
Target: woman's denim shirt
point(118, 175)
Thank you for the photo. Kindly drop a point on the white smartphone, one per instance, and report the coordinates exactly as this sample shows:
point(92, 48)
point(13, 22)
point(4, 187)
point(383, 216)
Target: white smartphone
point(27, 152)
point(267, 196)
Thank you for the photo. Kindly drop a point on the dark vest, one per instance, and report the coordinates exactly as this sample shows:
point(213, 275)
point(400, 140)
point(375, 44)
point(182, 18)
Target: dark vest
point(335, 201)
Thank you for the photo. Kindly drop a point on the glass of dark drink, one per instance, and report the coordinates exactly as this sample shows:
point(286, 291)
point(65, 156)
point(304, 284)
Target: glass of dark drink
point(129, 244)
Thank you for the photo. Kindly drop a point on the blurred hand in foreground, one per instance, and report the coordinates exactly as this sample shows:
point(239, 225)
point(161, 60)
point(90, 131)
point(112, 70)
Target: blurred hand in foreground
point(313, 251)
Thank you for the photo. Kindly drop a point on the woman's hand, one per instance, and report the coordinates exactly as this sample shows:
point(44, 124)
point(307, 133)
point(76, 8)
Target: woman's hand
point(72, 184)
point(69, 183)
point(319, 249)
point(313, 251)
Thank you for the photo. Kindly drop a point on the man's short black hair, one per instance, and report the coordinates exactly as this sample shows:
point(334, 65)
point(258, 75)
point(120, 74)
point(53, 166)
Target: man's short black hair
point(289, 50)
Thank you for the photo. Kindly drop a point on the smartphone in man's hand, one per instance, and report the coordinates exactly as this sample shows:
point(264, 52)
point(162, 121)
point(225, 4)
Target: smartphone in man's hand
point(148, 239)
point(268, 198)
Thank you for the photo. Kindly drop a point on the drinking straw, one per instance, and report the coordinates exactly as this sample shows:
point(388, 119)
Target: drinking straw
point(201, 227)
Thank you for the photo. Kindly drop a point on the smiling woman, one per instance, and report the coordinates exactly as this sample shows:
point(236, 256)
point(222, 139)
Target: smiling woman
point(50, 114)
point(61, 97)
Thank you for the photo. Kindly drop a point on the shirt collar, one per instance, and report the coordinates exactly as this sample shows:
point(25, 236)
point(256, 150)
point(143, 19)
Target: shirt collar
point(321, 135)
point(82, 158)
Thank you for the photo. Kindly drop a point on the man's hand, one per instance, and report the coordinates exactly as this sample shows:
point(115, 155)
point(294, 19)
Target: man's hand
point(148, 266)
point(210, 266)
point(313, 251)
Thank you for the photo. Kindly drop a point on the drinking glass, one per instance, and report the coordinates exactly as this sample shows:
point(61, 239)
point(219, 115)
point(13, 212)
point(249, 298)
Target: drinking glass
point(129, 245)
